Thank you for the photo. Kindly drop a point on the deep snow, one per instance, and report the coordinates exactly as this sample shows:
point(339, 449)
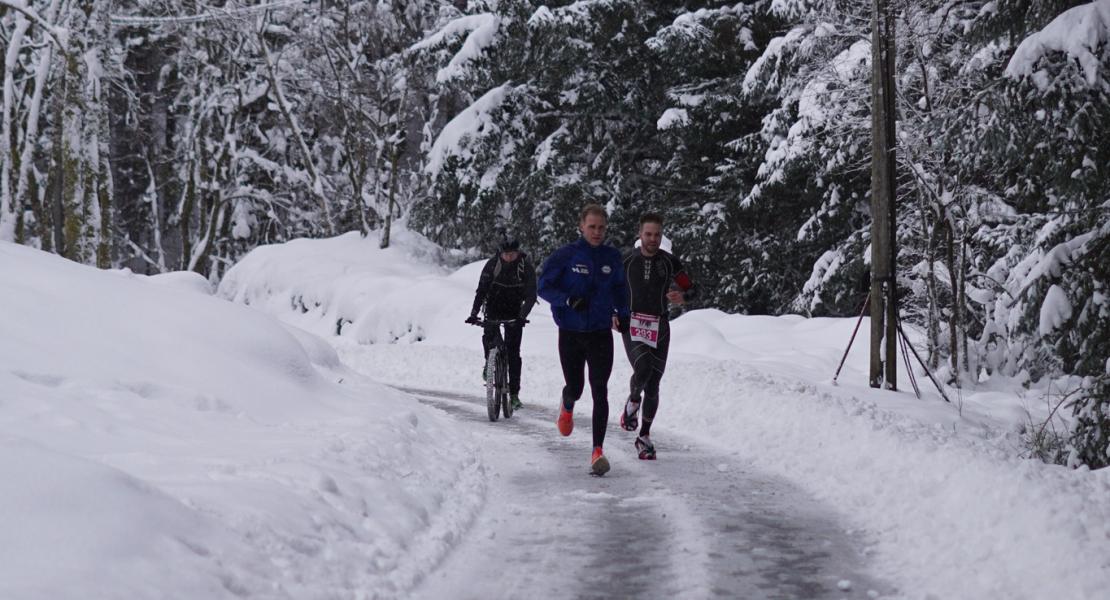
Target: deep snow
point(159, 442)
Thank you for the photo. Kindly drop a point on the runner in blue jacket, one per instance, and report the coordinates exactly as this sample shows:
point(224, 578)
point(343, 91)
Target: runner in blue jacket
point(584, 283)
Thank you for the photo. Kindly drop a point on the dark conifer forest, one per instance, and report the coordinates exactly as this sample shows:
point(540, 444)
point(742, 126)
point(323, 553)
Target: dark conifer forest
point(160, 136)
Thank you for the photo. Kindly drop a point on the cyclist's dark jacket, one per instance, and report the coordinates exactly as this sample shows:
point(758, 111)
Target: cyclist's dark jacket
point(650, 278)
point(507, 289)
point(584, 271)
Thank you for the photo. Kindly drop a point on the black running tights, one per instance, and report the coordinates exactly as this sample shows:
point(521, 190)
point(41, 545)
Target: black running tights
point(648, 365)
point(577, 350)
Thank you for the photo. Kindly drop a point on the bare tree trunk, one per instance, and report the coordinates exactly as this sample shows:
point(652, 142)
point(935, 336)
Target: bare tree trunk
point(962, 305)
point(191, 175)
point(934, 298)
point(74, 219)
point(213, 219)
point(392, 191)
point(155, 198)
point(99, 184)
point(27, 186)
point(58, 179)
point(9, 205)
point(104, 201)
point(953, 317)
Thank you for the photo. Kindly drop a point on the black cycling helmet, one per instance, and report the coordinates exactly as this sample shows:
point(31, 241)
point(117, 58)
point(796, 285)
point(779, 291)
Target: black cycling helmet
point(508, 244)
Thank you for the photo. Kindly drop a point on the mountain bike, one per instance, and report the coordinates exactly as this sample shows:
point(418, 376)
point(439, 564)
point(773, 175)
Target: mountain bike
point(497, 372)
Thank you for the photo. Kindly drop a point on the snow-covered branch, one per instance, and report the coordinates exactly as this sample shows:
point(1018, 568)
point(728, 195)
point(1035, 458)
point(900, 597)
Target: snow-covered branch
point(213, 14)
point(60, 35)
point(481, 31)
point(298, 136)
point(473, 120)
point(1078, 32)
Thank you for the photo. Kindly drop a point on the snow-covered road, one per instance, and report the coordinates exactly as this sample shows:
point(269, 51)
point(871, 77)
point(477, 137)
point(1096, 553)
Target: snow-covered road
point(161, 443)
point(694, 524)
point(937, 495)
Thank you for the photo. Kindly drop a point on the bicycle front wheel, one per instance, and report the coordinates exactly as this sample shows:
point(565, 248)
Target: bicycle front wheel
point(503, 385)
point(493, 388)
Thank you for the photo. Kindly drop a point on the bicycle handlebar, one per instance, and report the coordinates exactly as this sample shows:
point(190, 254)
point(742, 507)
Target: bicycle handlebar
point(483, 323)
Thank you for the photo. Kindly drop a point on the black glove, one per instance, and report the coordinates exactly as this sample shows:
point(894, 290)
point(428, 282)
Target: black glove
point(622, 324)
point(472, 320)
point(579, 303)
point(520, 322)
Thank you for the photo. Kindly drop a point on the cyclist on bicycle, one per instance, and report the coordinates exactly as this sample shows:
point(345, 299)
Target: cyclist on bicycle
point(507, 288)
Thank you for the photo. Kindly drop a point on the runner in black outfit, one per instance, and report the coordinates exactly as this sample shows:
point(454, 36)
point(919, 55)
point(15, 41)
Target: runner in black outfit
point(507, 288)
point(655, 278)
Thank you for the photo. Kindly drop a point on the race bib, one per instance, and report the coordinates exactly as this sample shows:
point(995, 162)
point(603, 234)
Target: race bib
point(644, 329)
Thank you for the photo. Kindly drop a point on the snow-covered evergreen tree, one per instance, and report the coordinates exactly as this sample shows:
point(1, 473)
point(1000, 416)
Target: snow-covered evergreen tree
point(179, 135)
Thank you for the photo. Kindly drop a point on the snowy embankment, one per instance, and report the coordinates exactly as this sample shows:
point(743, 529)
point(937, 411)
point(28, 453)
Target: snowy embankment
point(158, 442)
point(938, 488)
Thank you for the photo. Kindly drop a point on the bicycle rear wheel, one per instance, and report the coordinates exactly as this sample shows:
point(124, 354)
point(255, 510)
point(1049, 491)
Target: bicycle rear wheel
point(493, 389)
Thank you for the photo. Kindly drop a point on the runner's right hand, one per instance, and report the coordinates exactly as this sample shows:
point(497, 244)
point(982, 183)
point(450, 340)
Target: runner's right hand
point(472, 320)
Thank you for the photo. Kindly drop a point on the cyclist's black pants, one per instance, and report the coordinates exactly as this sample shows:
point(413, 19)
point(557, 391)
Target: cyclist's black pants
point(577, 350)
point(513, 333)
point(648, 365)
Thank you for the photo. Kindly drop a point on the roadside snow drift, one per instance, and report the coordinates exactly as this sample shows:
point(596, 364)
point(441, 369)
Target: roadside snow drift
point(950, 509)
point(159, 442)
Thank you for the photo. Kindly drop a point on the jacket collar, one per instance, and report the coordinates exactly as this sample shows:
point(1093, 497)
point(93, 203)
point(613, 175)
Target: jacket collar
point(582, 243)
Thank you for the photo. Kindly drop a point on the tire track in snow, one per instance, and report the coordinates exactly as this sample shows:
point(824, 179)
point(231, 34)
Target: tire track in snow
point(694, 524)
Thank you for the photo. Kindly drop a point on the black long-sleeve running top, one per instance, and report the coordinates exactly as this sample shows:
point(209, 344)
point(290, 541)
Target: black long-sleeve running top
point(651, 277)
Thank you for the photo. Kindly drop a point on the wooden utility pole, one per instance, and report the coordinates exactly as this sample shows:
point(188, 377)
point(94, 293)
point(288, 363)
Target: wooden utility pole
point(884, 251)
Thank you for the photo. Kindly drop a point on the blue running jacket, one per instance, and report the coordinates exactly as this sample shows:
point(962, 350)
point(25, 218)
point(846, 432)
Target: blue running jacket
point(581, 270)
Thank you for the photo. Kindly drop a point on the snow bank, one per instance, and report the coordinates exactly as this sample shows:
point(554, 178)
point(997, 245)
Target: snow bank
point(937, 488)
point(157, 442)
point(953, 512)
point(349, 286)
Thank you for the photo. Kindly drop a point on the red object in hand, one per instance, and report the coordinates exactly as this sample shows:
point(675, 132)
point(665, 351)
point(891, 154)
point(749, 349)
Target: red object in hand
point(683, 281)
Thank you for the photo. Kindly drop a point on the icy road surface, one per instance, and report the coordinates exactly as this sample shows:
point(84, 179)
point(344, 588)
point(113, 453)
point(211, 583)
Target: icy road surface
point(693, 524)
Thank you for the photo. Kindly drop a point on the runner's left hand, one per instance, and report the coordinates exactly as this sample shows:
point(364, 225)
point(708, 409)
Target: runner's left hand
point(620, 324)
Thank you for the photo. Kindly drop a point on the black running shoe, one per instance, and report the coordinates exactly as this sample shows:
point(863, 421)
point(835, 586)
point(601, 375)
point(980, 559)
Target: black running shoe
point(630, 416)
point(645, 448)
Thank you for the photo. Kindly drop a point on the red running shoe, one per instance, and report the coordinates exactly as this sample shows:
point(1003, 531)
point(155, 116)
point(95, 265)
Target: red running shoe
point(599, 465)
point(566, 421)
